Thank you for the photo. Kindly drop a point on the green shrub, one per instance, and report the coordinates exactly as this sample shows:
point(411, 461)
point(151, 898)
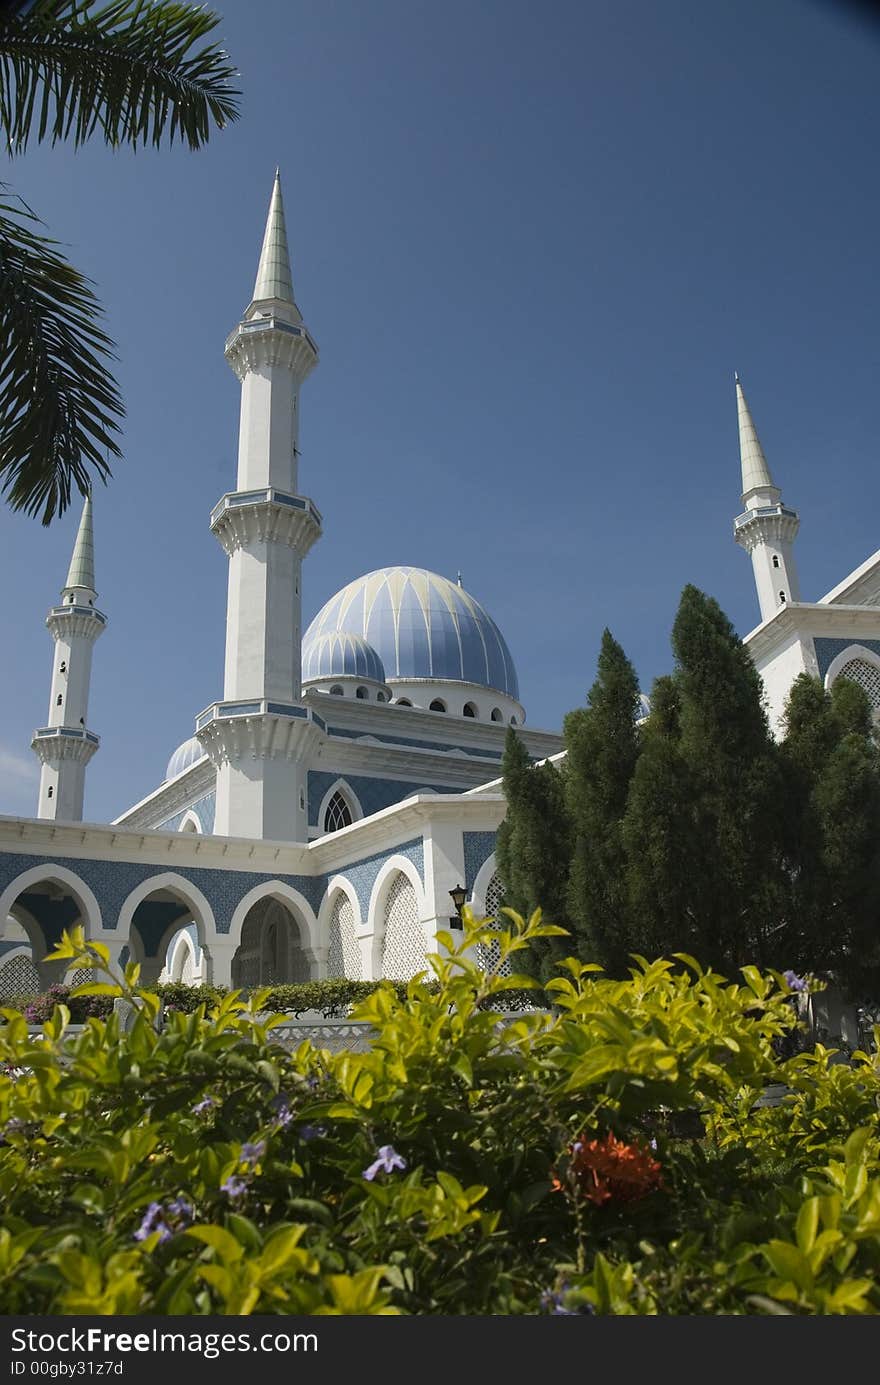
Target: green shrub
point(607, 1156)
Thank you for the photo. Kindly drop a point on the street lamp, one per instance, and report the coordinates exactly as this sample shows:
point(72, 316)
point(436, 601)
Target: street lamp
point(458, 896)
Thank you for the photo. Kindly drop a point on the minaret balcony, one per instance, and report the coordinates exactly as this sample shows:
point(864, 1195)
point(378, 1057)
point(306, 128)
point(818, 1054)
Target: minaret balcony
point(270, 515)
point(70, 621)
point(65, 743)
point(769, 522)
point(266, 341)
point(260, 728)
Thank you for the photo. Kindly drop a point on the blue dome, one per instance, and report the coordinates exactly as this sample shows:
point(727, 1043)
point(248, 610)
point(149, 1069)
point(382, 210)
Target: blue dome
point(339, 652)
point(422, 626)
point(184, 756)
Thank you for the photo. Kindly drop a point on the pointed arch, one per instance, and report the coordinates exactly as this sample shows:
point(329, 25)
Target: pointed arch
point(285, 894)
point(396, 865)
point(191, 822)
point(50, 873)
point(188, 893)
point(481, 885)
point(340, 929)
point(340, 786)
point(856, 653)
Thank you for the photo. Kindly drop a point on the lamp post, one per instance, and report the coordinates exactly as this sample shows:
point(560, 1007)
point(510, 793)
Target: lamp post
point(458, 897)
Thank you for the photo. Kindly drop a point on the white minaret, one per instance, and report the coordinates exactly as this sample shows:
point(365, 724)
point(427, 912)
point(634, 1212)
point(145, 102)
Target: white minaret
point(766, 530)
point(65, 746)
point(258, 735)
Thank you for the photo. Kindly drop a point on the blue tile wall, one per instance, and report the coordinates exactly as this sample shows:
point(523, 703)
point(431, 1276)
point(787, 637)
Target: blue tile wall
point(407, 741)
point(113, 881)
point(827, 650)
point(205, 808)
point(478, 847)
point(372, 794)
point(363, 873)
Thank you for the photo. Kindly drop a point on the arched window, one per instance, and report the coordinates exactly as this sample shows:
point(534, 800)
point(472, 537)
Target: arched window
point(469, 710)
point(437, 705)
point(497, 714)
point(782, 598)
point(362, 694)
point(50, 792)
point(63, 666)
point(336, 691)
point(380, 697)
point(513, 721)
point(775, 560)
point(338, 813)
point(58, 702)
point(404, 702)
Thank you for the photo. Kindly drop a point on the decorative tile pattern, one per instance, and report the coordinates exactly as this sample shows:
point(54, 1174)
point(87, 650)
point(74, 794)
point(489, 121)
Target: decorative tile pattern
point(372, 794)
point(827, 650)
point(478, 847)
point(113, 881)
point(362, 874)
point(345, 954)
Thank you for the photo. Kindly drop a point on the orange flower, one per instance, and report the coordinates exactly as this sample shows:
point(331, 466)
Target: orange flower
point(609, 1168)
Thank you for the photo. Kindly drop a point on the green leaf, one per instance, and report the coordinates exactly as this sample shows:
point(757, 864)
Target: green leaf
point(807, 1225)
point(225, 1244)
point(788, 1262)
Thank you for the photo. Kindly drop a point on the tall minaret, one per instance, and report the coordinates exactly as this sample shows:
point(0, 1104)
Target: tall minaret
point(65, 746)
point(257, 734)
point(766, 530)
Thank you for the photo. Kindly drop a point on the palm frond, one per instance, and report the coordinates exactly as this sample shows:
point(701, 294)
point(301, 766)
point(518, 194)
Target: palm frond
point(127, 69)
point(58, 400)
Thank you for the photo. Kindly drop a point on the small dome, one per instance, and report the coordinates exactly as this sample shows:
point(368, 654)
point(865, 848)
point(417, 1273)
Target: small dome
point(341, 654)
point(422, 625)
point(184, 756)
point(644, 707)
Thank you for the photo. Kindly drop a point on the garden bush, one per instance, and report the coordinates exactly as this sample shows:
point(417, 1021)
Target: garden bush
point(607, 1156)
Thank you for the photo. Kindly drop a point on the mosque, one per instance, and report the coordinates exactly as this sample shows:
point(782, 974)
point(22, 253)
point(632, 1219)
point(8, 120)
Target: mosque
point(347, 780)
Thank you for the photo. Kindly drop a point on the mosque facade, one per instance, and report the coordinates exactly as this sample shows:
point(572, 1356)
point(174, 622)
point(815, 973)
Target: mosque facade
point(347, 779)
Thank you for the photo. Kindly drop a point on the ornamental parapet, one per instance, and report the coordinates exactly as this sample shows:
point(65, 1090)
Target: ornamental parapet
point(769, 522)
point(267, 341)
point(258, 728)
point(267, 515)
point(67, 622)
point(65, 743)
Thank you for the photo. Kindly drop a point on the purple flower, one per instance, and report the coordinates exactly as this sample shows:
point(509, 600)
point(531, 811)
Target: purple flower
point(283, 1116)
point(207, 1104)
point(234, 1187)
point(795, 982)
point(153, 1221)
point(181, 1209)
point(553, 1301)
point(253, 1153)
point(388, 1160)
point(312, 1132)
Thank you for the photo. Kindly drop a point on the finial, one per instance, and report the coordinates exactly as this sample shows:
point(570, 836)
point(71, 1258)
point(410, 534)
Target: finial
point(274, 279)
point(459, 581)
point(736, 376)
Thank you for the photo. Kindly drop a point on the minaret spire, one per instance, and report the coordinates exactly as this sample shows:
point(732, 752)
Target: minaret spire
point(65, 746)
point(274, 278)
point(755, 471)
point(766, 529)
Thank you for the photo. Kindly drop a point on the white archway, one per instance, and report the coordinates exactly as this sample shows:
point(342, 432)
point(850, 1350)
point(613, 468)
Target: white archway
point(481, 884)
point(188, 893)
point(190, 822)
point(334, 885)
point(864, 656)
point(285, 894)
point(53, 874)
point(341, 930)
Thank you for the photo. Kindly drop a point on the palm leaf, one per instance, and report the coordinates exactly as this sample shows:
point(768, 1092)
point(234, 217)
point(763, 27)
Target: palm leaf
point(58, 401)
point(126, 69)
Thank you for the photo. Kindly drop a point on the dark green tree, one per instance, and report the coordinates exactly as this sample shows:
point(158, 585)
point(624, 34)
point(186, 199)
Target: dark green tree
point(532, 850)
point(603, 746)
point(134, 73)
point(832, 768)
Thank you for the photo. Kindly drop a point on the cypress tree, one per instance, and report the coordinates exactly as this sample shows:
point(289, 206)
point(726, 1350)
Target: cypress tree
point(532, 850)
point(734, 864)
point(832, 770)
point(603, 745)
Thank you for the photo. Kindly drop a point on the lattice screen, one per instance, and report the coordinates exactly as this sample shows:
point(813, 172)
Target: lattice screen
point(19, 977)
point(186, 974)
point(403, 949)
point(488, 955)
point(345, 954)
point(867, 676)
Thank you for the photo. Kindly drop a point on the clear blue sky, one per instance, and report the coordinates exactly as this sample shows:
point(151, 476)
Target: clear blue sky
point(533, 241)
